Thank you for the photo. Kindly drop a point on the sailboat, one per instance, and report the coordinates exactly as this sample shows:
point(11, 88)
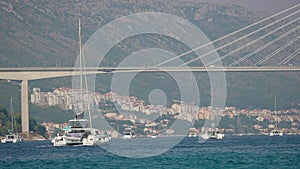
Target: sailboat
point(276, 132)
point(12, 137)
point(80, 132)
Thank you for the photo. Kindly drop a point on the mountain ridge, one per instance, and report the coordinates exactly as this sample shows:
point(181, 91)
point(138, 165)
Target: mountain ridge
point(44, 34)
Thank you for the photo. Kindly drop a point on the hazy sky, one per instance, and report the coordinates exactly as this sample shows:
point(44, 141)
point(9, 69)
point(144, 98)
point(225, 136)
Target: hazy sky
point(260, 5)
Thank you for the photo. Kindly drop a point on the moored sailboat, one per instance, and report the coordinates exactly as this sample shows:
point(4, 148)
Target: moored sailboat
point(12, 137)
point(276, 132)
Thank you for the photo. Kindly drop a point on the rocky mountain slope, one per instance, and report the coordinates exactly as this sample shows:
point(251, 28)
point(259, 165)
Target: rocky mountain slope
point(40, 33)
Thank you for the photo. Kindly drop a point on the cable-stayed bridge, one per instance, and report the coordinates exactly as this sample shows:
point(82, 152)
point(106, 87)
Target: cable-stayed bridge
point(280, 30)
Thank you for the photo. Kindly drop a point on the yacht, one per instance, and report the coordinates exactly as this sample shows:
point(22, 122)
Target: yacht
point(11, 138)
point(128, 134)
point(216, 135)
point(81, 132)
point(276, 133)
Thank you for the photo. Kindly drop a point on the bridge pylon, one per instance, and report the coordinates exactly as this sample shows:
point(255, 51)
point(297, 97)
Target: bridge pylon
point(24, 106)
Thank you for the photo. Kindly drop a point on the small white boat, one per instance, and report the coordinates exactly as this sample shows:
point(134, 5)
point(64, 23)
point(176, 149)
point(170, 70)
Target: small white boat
point(128, 134)
point(58, 141)
point(205, 136)
point(216, 135)
point(276, 133)
point(11, 138)
point(153, 136)
point(193, 132)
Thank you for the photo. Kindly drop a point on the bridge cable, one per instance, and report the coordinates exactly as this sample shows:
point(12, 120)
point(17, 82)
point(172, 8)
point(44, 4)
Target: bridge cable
point(277, 51)
point(228, 35)
point(290, 57)
point(240, 38)
point(262, 47)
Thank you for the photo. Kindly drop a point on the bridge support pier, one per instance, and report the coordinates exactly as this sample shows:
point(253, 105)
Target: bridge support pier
point(24, 106)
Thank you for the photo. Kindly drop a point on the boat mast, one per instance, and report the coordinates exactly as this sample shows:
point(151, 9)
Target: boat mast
point(80, 65)
point(12, 116)
point(275, 109)
point(83, 70)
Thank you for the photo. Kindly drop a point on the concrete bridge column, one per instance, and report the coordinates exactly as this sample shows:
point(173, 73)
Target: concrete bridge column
point(24, 106)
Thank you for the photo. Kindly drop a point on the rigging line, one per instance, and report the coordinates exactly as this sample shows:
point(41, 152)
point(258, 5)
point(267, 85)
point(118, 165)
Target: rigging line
point(12, 115)
point(87, 90)
point(277, 51)
point(263, 47)
point(83, 69)
point(80, 65)
point(290, 57)
point(238, 39)
point(228, 35)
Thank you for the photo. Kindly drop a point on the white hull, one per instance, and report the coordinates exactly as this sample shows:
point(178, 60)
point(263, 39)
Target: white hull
point(84, 140)
point(205, 136)
point(11, 139)
point(192, 135)
point(276, 133)
point(217, 136)
point(127, 137)
point(153, 136)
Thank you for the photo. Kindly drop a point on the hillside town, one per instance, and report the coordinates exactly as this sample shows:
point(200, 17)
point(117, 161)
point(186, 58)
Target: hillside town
point(233, 121)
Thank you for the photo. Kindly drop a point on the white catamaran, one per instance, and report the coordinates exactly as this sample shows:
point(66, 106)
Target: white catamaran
point(80, 131)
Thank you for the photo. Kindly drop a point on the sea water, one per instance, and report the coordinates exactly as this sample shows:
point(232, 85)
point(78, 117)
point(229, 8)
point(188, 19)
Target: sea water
point(230, 152)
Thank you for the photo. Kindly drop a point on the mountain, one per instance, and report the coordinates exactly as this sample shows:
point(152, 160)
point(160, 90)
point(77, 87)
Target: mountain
point(40, 33)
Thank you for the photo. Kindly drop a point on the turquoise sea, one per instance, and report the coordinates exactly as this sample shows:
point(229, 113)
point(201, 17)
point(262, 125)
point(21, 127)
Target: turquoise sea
point(231, 152)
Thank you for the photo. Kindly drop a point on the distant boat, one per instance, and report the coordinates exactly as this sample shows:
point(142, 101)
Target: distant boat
point(128, 134)
point(205, 136)
point(13, 137)
point(153, 136)
point(216, 135)
point(276, 133)
point(212, 134)
point(193, 132)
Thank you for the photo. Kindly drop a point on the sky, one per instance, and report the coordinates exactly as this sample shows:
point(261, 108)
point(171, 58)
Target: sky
point(271, 6)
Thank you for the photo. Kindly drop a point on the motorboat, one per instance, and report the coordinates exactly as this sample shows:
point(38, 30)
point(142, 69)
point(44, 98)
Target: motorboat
point(276, 133)
point(11, 138)
point(128, 134)
point(193, 132)
point(216, 135)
